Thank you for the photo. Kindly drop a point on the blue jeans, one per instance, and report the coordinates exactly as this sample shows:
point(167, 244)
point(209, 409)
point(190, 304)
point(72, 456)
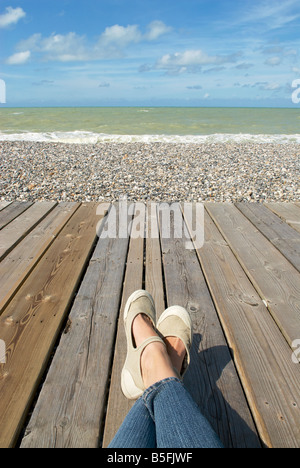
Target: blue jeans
point(166, 416)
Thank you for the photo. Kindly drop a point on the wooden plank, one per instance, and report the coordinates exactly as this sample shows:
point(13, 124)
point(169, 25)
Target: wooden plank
point(289, 212)
point(282, 236)
point(262, 356)
point(154, 278)
point(118, 405)
point(15, 268)
point(4, 204)
point(32, 320)
point(15, 231)
point(275, 279)
point(70, 408)
point(12, 211)
point(211, 379)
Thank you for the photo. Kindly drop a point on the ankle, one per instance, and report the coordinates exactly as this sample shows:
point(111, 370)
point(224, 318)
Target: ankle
point(156, 364)
point(177, 352)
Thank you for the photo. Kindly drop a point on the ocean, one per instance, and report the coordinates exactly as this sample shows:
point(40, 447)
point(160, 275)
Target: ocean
point(145, 124)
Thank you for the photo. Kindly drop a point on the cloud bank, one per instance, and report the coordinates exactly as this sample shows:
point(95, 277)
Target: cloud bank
point(111, 44)
point(11, 16)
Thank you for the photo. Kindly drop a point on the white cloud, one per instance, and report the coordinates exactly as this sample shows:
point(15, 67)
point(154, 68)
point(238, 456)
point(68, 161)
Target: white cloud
point(72, 47)
point(11, 16)
point(191, 61)
point(273, 13)
point(63, 48)
point(262, 85)
point(19, 58)
point(120, 36)
point(273, 61)
point(271, 86)
point(156, 29)
point(60, 47)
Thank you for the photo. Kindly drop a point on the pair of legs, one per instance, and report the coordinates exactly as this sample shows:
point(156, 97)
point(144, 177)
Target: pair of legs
point(165, 416)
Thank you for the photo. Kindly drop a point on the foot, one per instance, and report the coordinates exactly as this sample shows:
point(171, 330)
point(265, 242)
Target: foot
point(177, 352)
point(156, 363)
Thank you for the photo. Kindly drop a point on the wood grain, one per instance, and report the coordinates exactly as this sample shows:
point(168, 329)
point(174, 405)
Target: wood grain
point(280, 234)
point(262, 356)
point(118, 405)
point(31, 322)
point(18, 264)
point(71, 406)
point(275, 279)
point(211, 379)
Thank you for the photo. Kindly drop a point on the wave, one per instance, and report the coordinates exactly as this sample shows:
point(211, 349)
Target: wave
point(79, 137)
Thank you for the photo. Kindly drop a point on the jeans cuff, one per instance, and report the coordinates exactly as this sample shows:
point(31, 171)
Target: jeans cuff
point(151, 392)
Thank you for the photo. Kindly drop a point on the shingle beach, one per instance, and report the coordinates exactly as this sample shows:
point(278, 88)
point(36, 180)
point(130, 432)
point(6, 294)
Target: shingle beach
point(255, 172)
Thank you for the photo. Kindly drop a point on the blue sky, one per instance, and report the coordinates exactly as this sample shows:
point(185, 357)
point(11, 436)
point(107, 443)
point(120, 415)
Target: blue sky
point(150, 52)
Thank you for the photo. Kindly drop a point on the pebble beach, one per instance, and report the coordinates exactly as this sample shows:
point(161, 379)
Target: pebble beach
point(217, 172)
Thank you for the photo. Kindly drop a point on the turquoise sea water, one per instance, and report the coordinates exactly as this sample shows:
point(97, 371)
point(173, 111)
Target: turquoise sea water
point(96, 124)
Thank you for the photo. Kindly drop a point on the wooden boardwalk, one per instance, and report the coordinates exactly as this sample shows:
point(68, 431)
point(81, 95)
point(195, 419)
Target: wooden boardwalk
point(62, 291)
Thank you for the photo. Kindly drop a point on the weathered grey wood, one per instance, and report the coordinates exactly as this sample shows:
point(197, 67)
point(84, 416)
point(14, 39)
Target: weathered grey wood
point(262, 356)
point(15, 231)
point(211, 379)
point(32, 321)
point(12, 211)
point(276, 280)
point(18, 264)
point(118, 405)
point(289, 212)
point(4, 204)
point(154, 279)
point(71, 406)
point(282, 236)
point(234, 275)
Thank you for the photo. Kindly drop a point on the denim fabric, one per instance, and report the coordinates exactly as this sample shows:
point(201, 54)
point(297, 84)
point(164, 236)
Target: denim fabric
point(166, 416)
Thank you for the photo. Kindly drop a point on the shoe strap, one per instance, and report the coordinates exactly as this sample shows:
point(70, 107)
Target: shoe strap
point(152, 339)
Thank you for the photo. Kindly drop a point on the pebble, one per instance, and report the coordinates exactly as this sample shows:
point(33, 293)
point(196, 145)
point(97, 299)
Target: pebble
point(219, 172)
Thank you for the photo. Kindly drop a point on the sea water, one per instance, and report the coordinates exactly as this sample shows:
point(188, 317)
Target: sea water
point(145, 124)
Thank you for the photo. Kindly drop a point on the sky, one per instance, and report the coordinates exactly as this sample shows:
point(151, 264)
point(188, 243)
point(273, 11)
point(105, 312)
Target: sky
point(235, 53)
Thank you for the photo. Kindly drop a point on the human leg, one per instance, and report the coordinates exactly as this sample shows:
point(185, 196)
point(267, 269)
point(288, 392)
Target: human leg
point(179, 422)
point(137, 430)
point(177, 419)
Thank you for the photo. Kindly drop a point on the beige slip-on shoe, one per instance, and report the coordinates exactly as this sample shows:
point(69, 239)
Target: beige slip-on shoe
point(176, 321)
point(140, 302)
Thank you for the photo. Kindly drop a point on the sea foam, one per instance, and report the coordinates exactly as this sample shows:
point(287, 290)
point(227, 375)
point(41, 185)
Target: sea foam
point(79, 137)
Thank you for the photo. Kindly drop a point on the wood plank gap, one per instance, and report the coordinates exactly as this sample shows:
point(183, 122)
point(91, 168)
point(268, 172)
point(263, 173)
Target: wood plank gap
point(74, 418)
point(21, 226)
point(4, 204)
point(276, 280)
point(263, 358)
point(154, 274)
point(278, 232)
point(118, 405)
point(289, 212)
point(211, 379)
point(19, 263)
point(12, 211)
point(31, 323)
